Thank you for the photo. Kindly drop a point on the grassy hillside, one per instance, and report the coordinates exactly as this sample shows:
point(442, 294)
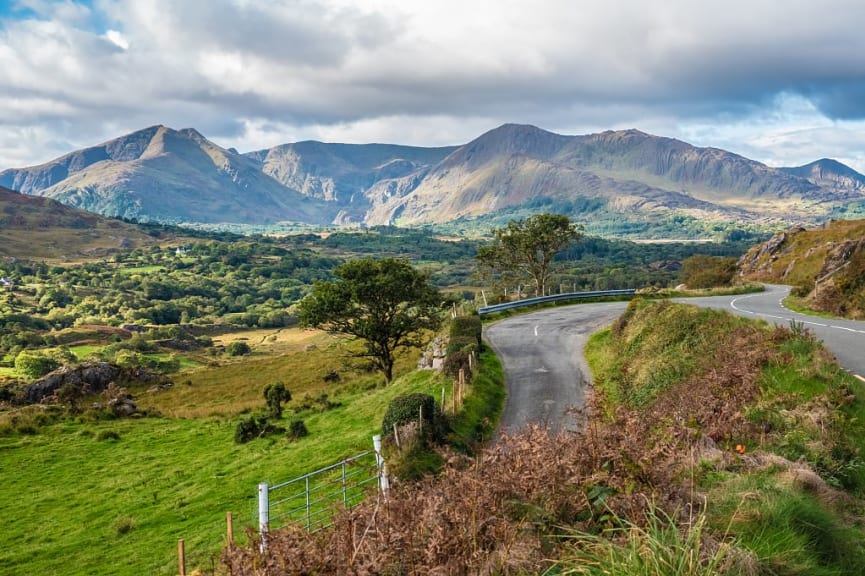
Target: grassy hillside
point(825, 265)
point(41, 229)
point(92, 495)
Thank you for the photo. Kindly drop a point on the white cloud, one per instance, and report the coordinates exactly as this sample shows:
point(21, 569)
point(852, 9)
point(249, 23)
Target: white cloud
point(251, 74)
point(117, 39)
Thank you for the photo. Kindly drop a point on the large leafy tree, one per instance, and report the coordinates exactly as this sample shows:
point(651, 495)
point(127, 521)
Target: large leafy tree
point(386, 303)
point(524, 249)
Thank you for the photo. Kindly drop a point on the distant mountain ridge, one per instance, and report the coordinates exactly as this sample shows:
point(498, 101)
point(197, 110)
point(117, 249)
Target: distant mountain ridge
point(627, 175)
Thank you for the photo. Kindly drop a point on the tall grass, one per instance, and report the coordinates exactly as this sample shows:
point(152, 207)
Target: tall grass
point(659, 547)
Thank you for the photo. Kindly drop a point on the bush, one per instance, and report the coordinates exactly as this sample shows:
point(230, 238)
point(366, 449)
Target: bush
point(461, 344)
point(456, 361)
point(701, 271)
point(468, 327)
point(296, 430)
point(238, 348)
point(405, 409)
point(255, 427)
point(34, 365)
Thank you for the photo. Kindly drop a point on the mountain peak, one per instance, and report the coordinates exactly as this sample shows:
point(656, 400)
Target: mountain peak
point(829, 173)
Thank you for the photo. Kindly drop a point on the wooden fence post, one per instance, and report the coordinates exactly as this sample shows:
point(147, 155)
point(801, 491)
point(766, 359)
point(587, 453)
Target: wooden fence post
point(229, 524)
point(181, 557)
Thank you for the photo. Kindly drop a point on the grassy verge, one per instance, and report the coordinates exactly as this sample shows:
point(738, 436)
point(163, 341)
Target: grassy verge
point(759, 422)
point(749, 288)
point(483, 405)
point(89, 496)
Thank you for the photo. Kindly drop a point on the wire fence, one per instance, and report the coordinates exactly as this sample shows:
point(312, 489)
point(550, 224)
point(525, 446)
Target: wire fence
point(312, 500)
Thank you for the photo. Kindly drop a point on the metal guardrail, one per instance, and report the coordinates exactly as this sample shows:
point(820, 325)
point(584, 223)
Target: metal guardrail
point(554, 298)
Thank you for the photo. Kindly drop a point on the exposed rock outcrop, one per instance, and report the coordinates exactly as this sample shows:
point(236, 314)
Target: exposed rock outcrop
point(90, 378)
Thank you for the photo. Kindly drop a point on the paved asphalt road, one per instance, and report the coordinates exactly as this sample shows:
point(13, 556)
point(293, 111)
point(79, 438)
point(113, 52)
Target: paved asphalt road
point(546, 374)
point(542, 355)
point(845, 338)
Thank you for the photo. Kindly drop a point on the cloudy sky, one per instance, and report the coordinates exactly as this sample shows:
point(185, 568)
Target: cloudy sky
point(780, 81)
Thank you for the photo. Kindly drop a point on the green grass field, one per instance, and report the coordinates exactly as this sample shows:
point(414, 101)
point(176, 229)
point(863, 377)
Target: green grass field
point(90, 496)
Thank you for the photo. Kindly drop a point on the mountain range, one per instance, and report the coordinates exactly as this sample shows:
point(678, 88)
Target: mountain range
point(621, 178)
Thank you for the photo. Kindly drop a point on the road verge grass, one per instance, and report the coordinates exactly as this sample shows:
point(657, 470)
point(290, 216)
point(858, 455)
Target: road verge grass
point(763, 423)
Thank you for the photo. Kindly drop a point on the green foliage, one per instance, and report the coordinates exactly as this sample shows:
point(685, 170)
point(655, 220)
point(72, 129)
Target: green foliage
point(255, 427)
point(408, 408)
point(788, 530)
point(415, 463)
point(34, 364)
point(274, 395)
point(524, 249)
point(461, 344)
point(238, 348)
point(700, 271)
point(467, 326)
point(297, 430)
point(658, 547)
point(482, 407)
point(386, 303)
point(456, 361)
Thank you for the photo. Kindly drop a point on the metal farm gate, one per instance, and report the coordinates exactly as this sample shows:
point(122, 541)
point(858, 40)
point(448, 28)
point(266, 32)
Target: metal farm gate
point(312, 500)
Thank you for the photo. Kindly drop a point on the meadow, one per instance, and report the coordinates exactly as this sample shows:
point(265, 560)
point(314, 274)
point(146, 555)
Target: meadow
point(85, 496)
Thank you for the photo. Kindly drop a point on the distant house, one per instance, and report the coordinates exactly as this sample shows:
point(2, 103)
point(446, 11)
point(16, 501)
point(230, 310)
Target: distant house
point(5, 281)
point(181, 251)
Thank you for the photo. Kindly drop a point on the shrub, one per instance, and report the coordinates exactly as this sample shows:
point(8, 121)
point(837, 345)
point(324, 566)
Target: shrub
point(467, 326)
point(456, 361)
point(407, 408)
point(34, 365)
point(461, 343)
point(702, 271)
point(255, 427)
point(107, 435)
point(238, 348)
point(296, 430)
point(275, 394)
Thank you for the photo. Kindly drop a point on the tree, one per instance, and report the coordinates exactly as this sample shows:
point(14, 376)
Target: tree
point(238, 348)
point(386, 303)
point(524, 249)
point(275, 394)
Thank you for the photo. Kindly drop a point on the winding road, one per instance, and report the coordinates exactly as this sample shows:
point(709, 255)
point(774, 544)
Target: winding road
point(546, 374)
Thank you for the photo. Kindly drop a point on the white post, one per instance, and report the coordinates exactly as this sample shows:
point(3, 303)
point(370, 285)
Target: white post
point(383, 483)
point(484, 296)
point(263, 512)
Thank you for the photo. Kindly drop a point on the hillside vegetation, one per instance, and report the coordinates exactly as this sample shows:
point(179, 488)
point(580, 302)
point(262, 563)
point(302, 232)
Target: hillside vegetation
point(106, 494)
point(825, 265)
point(716, 445)
point(43, 229)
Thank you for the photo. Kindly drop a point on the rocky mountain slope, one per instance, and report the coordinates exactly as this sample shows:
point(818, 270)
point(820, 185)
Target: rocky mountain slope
point(826, 265)
point(167, 175)
point(617, 176)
